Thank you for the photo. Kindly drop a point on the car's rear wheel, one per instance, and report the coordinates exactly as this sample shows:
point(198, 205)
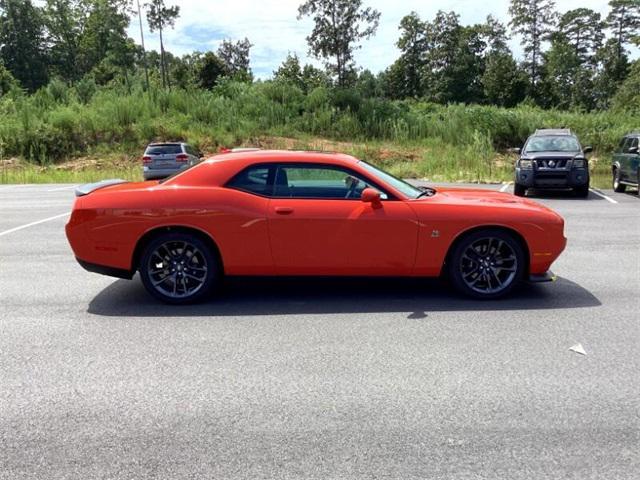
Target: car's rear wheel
point(519, 190)
point(617, 185)
point(487, 264)
point(179, 268)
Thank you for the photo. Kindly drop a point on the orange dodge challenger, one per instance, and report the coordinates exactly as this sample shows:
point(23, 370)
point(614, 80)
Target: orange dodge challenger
point(307, 213)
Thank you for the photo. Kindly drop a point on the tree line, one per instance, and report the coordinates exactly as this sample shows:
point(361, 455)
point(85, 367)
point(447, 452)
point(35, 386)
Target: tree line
point(572, 60)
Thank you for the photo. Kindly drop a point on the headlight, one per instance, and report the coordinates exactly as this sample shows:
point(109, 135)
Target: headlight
point(526, 164)
point(579, 163)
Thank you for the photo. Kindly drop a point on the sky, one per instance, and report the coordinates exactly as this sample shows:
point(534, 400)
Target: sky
point(273, 28)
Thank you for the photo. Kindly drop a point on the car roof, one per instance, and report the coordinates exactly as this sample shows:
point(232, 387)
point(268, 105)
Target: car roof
point(553, 132)
point(159, 144)
point(275, 156)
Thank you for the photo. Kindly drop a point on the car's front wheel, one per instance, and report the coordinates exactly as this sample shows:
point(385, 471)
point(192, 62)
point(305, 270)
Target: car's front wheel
point(617, 185)
point(487, 264)
point(179, 268)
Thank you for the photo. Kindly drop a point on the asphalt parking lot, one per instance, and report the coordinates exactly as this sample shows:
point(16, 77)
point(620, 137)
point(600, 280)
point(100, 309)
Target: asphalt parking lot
point(319, 379)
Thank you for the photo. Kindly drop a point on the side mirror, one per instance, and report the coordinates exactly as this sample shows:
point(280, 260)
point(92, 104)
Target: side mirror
point(370, 195)
point(587, 149)
point(633, 150)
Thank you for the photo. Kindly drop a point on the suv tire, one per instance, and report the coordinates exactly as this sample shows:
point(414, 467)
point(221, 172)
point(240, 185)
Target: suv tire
point(519, 190)
point(617, 186)
point(582, 192)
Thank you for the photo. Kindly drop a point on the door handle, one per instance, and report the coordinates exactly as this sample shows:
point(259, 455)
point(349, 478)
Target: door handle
point(284, 210)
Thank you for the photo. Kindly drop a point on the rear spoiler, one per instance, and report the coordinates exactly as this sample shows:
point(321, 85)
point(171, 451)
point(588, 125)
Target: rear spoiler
point(86, 189)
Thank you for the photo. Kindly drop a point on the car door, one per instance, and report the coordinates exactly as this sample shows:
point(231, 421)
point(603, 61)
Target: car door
point(631, 162)
point(625, 159)
point(618, 156)
point(318, 225)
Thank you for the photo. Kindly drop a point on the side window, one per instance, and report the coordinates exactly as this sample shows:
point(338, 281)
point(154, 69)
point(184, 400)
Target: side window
point(301, 181)
point(634, 143)
point(621, 146)
point(253, 180)
point(627, 145)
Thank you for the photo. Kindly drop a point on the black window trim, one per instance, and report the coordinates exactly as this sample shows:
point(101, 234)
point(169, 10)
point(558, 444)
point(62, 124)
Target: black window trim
point(273, 167)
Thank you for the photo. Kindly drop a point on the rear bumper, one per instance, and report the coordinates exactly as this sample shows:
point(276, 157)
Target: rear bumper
point(552, 178)
point(543, 277)
point(104, 270)
point(159, 173)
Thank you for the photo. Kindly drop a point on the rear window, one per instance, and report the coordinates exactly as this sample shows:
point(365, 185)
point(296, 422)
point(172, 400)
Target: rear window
point(169, 149)
point(253, 180)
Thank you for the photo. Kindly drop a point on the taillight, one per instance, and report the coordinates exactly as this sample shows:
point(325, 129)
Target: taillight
point(146, 159)
point(182, 157)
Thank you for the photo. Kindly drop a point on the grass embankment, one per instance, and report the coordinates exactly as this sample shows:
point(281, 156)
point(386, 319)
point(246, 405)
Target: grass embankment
point(54, 136)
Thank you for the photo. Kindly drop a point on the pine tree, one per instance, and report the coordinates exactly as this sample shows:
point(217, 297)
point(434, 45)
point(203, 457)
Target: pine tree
point(22, 42)
point(338, 27)
point(533, 20)
point(624, 22)
point(160, 17)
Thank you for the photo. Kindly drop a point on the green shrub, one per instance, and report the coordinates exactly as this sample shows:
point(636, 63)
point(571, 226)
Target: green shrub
point(56, 122)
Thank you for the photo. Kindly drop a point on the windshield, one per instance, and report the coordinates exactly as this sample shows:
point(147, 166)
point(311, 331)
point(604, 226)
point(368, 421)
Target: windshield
point(553, 144)
point(400, 185)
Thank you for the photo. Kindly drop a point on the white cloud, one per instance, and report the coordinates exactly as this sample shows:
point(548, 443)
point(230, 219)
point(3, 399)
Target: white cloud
point(272, 27)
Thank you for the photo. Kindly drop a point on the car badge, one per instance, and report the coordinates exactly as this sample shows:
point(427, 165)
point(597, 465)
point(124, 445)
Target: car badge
point(435, 234)
point(552, 164)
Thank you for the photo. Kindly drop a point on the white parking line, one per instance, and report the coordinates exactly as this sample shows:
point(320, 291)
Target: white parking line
point(506, 186)
point(15, 185)
point(602, 195)
point(22, 227)
point(62, 188)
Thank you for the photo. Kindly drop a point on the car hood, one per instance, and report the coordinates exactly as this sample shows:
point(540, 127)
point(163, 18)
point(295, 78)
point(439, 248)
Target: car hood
point(567, 155)
point(486, 198)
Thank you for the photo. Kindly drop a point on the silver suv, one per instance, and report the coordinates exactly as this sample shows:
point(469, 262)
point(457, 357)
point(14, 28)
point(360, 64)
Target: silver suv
point(162, 160)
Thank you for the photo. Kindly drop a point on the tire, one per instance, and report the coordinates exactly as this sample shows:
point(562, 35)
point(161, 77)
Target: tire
point(179, 268)
point(519, 190)
point(617, 186)
point(582, 192)
point(505, 268)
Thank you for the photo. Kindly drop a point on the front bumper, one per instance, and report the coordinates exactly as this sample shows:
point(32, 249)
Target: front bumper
point(159, 173)
point(552, 178)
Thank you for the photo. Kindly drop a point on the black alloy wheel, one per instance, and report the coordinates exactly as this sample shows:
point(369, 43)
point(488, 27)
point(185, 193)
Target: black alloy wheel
point(487, 264)
point(178, 268)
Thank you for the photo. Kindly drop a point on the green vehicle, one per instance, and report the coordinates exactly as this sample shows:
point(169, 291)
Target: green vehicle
point(625, 163)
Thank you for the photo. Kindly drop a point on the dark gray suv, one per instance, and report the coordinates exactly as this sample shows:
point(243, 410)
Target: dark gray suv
point(553, 159)
point(626, 163)
point(162, 160)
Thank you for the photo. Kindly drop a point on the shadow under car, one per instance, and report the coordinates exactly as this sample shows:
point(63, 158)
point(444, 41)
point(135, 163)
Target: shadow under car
point(296, 296)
